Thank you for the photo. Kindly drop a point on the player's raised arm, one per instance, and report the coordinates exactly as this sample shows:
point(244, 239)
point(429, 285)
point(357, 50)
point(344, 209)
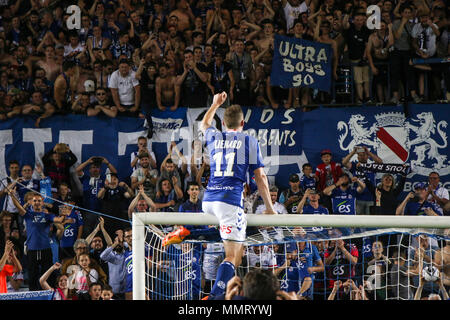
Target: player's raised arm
point(263, 189)
point(218, 100)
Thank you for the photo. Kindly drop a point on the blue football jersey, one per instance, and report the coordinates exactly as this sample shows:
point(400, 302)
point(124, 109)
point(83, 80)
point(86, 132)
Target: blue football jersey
point(232, 154)
point(344, 201)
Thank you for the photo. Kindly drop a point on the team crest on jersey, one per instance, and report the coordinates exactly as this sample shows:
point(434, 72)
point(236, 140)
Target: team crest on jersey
point(398, 140)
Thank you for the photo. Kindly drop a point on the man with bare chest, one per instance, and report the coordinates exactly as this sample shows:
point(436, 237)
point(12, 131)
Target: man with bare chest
point(184, 14)
point(267, 40)
point(65, 85)
point(378, 56)
point(167, 92)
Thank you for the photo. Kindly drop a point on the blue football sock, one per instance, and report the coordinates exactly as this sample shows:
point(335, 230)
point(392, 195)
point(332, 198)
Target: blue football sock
point(224, 273)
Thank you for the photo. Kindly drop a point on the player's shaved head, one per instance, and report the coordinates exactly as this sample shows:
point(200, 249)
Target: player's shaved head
point(233, 116)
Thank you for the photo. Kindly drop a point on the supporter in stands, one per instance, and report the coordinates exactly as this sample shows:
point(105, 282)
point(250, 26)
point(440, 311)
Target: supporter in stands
point(328, 172)
point(364, 200)
point(70, 230)
point(192, 82)
point(220, 78)
point(386, 194)
point(82, 104)
point(94, 293)
point(62, 291)
point(70, 265)
point(65, 87)
point(102, 104)
point(92, 184)
point(113, 198)
point(416, 203)
point(6, 226)
point(170, 194)
point(279, 208)
point(424, 35)
point(167, 91)
point(307, 180)
point(125, 89)
point(143, 147)
point(340, 261)
point(141, 203)
point(57, 163)
point(400, 57)
point(291, 197)
point(356, 35)
point(107, 293)
point(437, 194)
point(243, 73)
point(169, 169)
point(37, 221)
point(14, 171)
point(145, 176)
point(9, 264)
point(313, 206)
point(376, 272)
point(8, 107)
point(96, 245)
point(343, 194)
point(38, 107)
point(378, 47)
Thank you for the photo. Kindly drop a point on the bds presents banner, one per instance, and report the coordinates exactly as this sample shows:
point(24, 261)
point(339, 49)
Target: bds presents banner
point(301, 63)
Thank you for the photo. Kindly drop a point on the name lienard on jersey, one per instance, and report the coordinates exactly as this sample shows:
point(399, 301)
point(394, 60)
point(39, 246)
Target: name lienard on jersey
point(227, 144)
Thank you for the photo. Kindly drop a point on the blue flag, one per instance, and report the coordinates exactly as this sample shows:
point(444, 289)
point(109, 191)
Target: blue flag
point(301, 63)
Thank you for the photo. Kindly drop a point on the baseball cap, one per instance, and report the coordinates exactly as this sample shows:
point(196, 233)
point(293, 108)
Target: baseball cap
point(325, 151)
point(290, 247)
point(294, 177)
point(420, 185)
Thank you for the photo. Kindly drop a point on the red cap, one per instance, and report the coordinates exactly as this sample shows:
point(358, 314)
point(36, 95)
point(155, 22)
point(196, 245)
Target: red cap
point(325, 151)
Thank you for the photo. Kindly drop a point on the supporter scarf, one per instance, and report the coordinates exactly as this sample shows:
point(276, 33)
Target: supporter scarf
point(385, 168)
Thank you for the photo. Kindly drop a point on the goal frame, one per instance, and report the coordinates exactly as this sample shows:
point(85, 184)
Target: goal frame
point(140, 220)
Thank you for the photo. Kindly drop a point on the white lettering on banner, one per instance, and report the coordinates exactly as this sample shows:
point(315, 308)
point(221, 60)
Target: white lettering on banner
point(38, 136)
point(76, 140)
point(166, 129)
point(287, 115)
point(247, 115)
point(295, 51)
point(274, 137)
point(269, 113)
point(6, 137)
point(126, 138)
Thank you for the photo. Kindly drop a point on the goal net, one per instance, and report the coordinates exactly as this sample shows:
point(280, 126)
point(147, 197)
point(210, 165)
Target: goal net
point(305, 256)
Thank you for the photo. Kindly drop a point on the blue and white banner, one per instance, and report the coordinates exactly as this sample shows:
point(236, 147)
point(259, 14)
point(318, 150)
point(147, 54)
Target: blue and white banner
point(28, 295)
point(301, 63)
point(288, 138)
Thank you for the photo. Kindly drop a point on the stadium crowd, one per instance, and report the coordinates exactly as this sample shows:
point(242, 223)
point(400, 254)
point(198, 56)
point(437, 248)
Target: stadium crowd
point(131, 56)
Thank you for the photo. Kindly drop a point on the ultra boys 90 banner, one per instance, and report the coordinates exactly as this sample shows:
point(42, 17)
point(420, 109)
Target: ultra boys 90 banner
point(288, 138)
point(301, 63)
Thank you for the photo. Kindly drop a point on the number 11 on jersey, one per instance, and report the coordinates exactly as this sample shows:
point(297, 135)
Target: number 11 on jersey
point(229, 160)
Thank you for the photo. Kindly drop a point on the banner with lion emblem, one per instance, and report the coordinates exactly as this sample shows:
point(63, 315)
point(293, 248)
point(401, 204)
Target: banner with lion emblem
point(417, 136)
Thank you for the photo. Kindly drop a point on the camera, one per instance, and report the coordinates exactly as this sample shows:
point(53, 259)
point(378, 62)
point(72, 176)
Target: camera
point(97, 161)
point(416, 198)
point(360, 149)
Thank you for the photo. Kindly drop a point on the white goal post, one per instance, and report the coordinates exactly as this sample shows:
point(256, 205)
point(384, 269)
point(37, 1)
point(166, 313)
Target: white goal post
point(140, 220)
